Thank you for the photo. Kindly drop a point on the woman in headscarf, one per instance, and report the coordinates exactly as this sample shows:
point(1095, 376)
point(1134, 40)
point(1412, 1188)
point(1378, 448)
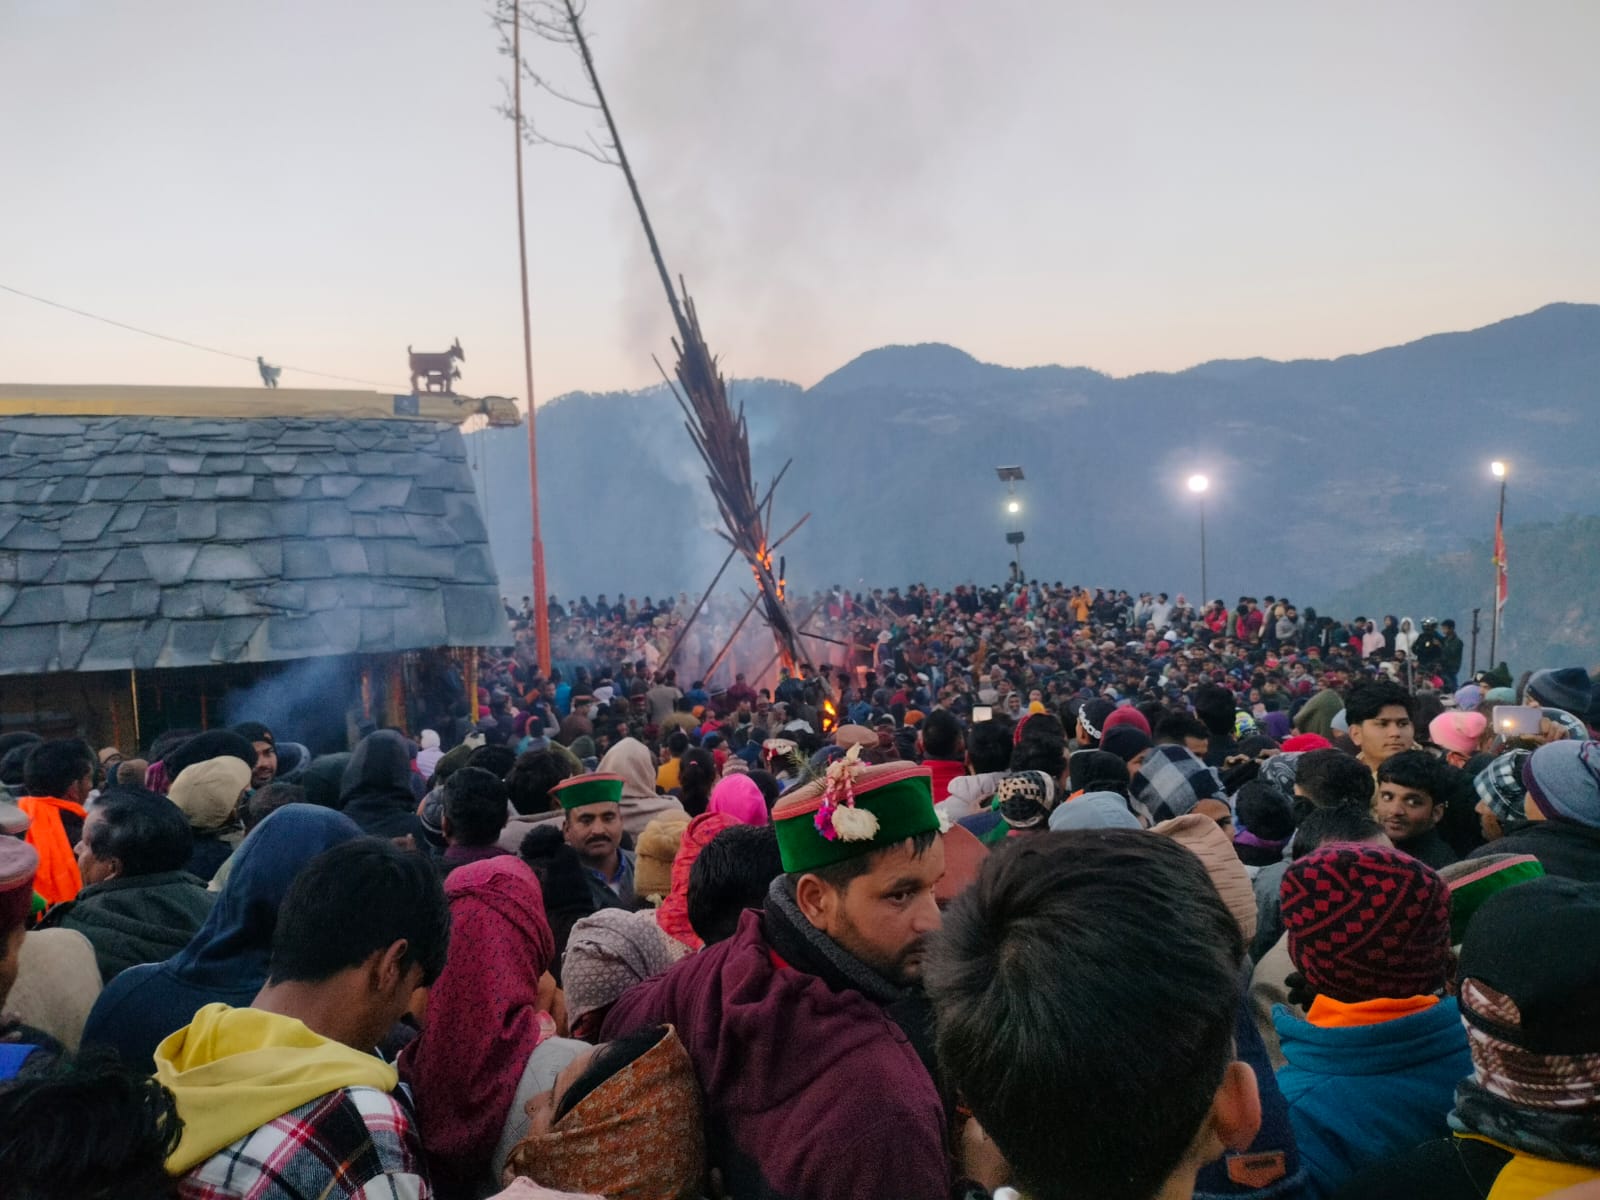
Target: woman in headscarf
point(624, 1120)
point(609, 952)
point(739, 797)
point(631, 759)
point(226, 961)
point(376, 790)
point(485, 1033)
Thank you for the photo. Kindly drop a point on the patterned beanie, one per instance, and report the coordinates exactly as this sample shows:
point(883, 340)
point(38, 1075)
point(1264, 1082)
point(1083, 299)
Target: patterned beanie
point(1500, 788)
point(1367, 922)
point(1474, 880)
point(1025, 798)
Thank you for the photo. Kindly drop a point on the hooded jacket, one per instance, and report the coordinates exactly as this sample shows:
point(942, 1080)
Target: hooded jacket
point(631, 759)
point(134, 920)
point(376, 792)
point(235, 1071)
point(226, 961)
point(810, 1092)
point(1364, 1094)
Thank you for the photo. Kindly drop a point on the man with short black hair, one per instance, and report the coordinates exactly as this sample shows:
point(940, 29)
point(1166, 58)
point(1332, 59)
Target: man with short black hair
point(138, 903)
point(266, 748)
point(286, 1098)
point(1380, 714)
point(57, 778)
point(475, 812)
point(944, 749)
point(1077, 1091)
point(805, 1027)
point(1411, 803)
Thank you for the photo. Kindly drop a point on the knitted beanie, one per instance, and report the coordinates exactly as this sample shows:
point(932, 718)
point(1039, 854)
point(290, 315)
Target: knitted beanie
point(1126, 741)
point(1500, 788)
point(1566, 688)
point(1458, 731)
point(18, 862)
point(1300, 743)
point(1025, 798)
point(1563, 779)
point(1474, 880)
point(1126, 715)
point(1367, 922)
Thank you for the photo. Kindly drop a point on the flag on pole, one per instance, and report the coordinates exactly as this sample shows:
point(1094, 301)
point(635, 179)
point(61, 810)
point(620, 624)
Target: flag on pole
point(1501, 586)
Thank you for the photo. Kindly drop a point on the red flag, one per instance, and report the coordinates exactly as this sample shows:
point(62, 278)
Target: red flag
point(1501, 585)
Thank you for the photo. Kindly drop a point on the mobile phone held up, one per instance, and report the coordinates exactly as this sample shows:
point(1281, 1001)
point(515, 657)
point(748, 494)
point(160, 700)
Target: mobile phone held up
point(981, 713)
point(1517, 721)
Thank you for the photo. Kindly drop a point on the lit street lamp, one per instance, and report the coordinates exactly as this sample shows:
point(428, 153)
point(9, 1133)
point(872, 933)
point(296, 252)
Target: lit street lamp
point(1199, 485)
point(1011, 476)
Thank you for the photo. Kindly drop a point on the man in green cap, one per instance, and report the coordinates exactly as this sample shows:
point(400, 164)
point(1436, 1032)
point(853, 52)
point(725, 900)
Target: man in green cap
point(808, 1028)
point(593, 827)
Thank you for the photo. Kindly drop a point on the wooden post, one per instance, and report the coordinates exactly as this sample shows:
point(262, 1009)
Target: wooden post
point(133, 687)
point(472, 682)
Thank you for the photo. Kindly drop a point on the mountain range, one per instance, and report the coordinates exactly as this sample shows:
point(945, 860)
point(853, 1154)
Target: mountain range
point(1323, 472)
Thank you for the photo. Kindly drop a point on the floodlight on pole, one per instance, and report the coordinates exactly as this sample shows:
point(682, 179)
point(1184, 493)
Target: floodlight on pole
point(1014, 507)
point(1011, 476)
point(1498, 469)
point(1199, 484)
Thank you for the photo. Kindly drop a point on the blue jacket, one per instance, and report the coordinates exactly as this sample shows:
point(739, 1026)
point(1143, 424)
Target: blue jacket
point(226, 961)
point(1362, 1095)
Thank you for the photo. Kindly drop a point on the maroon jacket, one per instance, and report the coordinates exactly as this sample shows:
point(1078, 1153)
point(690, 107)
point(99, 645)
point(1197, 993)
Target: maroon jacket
point(810, 1093)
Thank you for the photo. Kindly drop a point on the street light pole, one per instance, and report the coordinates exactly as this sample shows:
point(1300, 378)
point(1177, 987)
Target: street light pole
point(1498, 469)
point(1199, 484)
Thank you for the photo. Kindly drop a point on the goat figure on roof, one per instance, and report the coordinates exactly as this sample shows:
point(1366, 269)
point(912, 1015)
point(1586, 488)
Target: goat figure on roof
point(438, 371)
point(269, 373)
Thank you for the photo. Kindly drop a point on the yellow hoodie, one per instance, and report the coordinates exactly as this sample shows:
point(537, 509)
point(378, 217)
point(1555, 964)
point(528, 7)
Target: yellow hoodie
point(232, 1070)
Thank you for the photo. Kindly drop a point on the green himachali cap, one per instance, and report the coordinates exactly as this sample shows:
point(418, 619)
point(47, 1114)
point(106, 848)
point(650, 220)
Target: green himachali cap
point(853, 810)
point(582, 790)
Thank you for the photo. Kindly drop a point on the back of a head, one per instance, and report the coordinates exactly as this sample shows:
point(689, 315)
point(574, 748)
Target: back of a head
point(989, 746)
point(1330, 778)
point(147, 833)
point(497, 760)
point(1175, 728)
point(1265, 810)
point(475, 806)
point(1341, 823)
point(265, 801)
point(1039, 982)
point(941, 735)
point(95, 1130)
point(1215, 706)
point(732, 873)
point(357, 900)
point(51, 768)
point(531, 778)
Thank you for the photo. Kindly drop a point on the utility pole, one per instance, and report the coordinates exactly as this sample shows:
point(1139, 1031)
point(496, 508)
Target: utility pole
point(541, 611)
point(1474, 668)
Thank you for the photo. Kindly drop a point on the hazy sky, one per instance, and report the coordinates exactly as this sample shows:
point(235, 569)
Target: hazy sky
point(1129, 187)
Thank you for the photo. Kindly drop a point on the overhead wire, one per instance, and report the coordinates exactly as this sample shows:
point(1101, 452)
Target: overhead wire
point(16, 291)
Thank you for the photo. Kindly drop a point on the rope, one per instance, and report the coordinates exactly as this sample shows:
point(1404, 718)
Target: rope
point(185, 342)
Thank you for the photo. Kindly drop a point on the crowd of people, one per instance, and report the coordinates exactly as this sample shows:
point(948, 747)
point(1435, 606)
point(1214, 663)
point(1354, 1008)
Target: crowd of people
point(1028, 891)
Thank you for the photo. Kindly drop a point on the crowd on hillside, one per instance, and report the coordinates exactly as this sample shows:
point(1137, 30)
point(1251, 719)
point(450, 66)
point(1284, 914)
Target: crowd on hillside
point(1026, 891)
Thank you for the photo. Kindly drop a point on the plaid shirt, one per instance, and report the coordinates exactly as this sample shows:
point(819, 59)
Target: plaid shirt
point(352, 1144)
point(1172, 781)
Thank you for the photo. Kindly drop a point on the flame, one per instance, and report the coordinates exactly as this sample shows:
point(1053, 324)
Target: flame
point(830, 716)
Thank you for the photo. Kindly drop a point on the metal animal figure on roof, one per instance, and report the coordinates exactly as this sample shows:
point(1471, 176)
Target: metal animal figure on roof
point(438, 370)
point(269, 373)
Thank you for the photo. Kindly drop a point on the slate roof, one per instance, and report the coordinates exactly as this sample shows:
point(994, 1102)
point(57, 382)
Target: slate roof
point(154, 541)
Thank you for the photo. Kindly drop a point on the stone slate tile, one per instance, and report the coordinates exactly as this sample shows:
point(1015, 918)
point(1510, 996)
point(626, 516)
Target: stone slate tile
point(129, 601)
point(242, 521)
point(160, 524)
point(328, 519)
point(30, 535)
point(128, 518)
point(426, 502)
point(87, 522)
point(422, 624)
point(307, 438)
point(474, 616)
point(280, 464)
point(418, 562)
point(472, 564)
point(8, 593)
point(82, 565)
point(29, 445)
point(222, 464)
point(185, 464)
point(119, 464)
point(8, 522)
point(268, 556)
point(338, 486)
point(235, 487)
point(377, 630)
point(348, 556)
point(186, 602)
point(341, 629)
point(376, 494)
point(169, 565)
point(305, 560)
point(288, 486)
point(366, 527)
point(110, 488)
point(377, 462)
point(431, 531)
point(151, 643)
point(393, 525)
point(72, 642)
point(67, 491)
point(150, 489)
point(49, 604)
point(63, 426)
point(26, 566)
point(291, 596)
point(28, 650)
point(225, 563)
point(190, 643)
point(233, 643)
point(464, 519)
point(177, 487)
point(294, 637)
point(126, 564)
point(290, 519)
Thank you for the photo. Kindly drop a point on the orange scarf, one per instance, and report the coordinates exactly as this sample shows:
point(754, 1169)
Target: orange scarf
point(1328, 1013)
point(58, 878)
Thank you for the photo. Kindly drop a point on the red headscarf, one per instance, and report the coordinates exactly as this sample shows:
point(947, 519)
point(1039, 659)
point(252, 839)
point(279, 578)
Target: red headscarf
point(483, 1018)
point(673, 915)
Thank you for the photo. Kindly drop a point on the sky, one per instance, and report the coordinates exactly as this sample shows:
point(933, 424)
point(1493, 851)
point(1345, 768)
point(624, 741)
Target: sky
point(1126, 187)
